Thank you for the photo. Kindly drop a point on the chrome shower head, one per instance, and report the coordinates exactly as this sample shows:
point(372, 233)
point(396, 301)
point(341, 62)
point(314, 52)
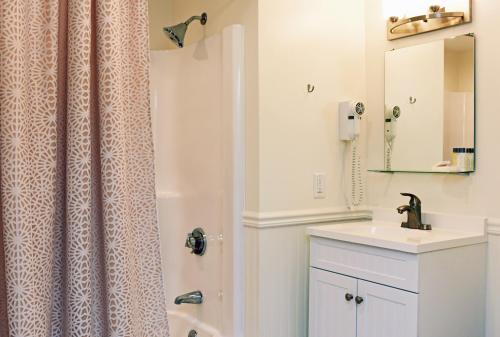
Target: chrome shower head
point(177, 33)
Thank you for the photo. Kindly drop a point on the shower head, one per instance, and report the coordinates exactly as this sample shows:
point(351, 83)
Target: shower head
point(178, 32)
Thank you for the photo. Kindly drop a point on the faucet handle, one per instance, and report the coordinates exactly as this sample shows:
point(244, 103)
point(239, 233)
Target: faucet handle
point(414, 200)
point(197, 242)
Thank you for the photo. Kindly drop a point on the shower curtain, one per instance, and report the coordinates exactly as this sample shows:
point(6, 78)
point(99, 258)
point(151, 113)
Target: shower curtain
point(79, 245)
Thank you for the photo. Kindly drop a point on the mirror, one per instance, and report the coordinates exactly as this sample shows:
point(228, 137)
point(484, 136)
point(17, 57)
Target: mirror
point(429, 107)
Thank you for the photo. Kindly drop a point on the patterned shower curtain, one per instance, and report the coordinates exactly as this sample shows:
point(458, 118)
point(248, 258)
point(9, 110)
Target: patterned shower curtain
point(79, 245)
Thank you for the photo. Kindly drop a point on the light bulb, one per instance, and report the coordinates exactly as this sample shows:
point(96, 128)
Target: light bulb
point(405, 8)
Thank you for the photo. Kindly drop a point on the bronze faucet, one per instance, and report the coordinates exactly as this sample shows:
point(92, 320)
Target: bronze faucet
point(414, 210)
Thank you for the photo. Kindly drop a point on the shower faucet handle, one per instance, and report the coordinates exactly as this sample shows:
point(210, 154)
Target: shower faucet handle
point(197, 242)
point(190, 241)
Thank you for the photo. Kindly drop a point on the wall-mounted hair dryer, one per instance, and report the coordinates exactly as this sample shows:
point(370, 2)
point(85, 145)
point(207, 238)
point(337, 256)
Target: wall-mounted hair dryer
point(390, 132)
point(350, 113)
point(390, 125)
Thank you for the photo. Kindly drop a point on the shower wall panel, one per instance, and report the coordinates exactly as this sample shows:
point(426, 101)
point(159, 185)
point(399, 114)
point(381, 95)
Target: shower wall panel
point(197, 107)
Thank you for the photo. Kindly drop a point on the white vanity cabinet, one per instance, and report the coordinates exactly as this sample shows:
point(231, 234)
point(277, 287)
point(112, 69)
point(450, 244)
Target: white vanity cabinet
point(357, 290)
point(348, 307)
point(397, 309)
point(330, 314)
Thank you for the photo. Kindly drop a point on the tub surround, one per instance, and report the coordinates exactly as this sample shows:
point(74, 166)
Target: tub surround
point(210, 130)
point(181, 324)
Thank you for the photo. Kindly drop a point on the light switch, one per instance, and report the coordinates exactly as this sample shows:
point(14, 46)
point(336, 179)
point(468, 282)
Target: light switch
point(319, 186)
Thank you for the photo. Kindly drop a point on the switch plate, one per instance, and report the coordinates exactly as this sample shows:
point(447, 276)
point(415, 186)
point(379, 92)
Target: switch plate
point(319, 186)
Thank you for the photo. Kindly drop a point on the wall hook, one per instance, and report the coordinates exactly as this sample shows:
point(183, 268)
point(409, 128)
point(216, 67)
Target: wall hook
point(413, 100)
point(310, 88)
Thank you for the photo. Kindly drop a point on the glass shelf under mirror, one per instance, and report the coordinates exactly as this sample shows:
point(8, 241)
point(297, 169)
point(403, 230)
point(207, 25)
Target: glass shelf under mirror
point(423, 172)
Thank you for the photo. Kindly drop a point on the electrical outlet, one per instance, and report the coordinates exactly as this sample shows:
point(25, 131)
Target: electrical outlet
point(319, 186)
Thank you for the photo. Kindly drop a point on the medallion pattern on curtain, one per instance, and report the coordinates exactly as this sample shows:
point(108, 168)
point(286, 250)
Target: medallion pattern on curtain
point(79, 248)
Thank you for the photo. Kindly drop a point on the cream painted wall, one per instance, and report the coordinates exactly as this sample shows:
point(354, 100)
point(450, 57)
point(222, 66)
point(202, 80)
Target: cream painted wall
point(474, 194)
point(221, 13)
point(290, 134)
point(318, 42)
point(301, 42)
point(160, 14)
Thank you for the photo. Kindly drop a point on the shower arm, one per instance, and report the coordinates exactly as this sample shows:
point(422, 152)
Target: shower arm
point(202, 18)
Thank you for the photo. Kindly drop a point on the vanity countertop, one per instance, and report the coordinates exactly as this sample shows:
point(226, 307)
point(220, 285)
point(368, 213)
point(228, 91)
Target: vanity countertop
point(390, 235)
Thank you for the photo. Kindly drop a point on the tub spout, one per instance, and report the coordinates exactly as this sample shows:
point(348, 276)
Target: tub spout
point(195, 297)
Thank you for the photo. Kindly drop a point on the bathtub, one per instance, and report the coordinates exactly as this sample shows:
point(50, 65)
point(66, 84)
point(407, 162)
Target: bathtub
point(181, 324)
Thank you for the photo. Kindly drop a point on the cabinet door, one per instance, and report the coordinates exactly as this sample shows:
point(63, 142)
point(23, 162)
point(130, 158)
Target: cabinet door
point(386, 312)
point(332, 308)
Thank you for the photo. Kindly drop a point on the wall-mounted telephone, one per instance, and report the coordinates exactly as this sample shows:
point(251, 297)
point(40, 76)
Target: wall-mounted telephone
point(350, 114)
point(390, 128)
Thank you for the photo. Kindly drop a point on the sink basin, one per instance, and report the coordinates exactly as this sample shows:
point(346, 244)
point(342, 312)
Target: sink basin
point(390, 235)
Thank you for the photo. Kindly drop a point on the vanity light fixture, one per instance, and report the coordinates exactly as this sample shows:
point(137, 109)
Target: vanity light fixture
point(437, 18)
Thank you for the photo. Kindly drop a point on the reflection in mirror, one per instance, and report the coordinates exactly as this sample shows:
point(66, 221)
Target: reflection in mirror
point(429, 107)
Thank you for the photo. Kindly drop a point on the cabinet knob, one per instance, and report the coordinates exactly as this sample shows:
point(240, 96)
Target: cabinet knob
point(348, 297)
point(359, 300)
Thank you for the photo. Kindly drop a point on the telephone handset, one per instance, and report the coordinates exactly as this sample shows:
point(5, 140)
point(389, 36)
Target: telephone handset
point(350, 114)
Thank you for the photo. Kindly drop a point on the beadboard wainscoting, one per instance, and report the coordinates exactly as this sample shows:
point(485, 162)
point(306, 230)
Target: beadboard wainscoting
point(277, 263)
point(493, 279)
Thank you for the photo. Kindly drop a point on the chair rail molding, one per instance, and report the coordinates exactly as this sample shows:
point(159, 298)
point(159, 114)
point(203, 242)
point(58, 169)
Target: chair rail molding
point(493, 226)
point(323, 215)
point(303, 217)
